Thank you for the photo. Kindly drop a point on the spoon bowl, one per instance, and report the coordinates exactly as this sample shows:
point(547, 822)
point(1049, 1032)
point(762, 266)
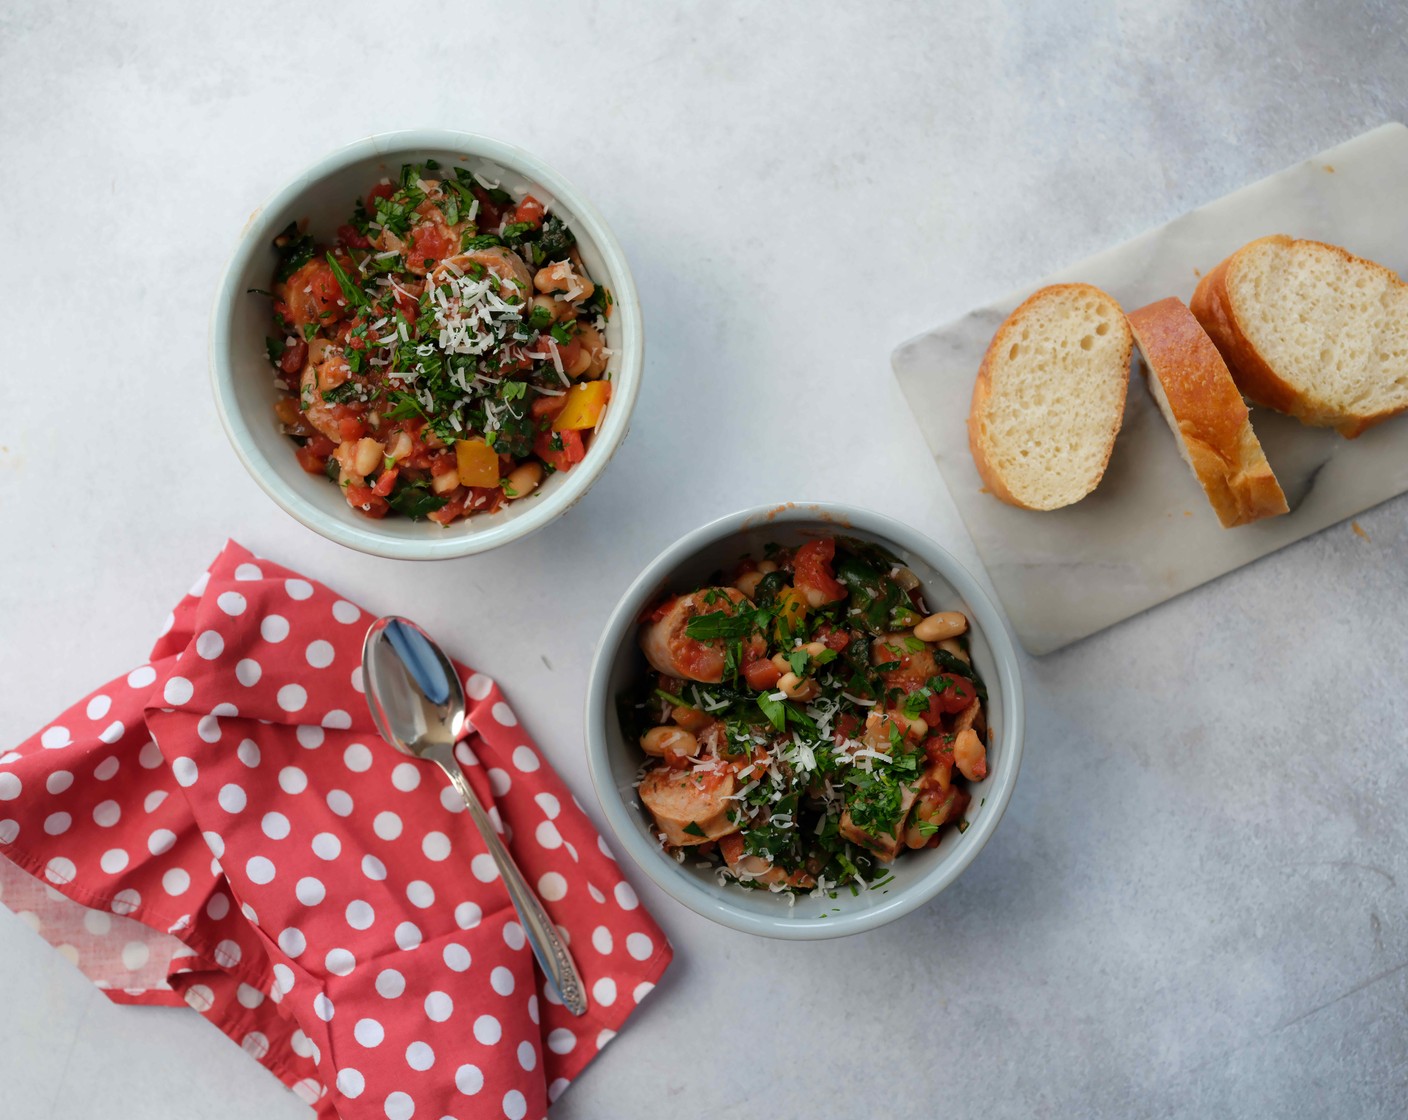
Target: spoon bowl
point(414, 693)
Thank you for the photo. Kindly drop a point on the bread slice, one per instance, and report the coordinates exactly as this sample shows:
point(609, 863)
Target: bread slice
point(1310, 330)
point(1194, 391)
point(1049, 398)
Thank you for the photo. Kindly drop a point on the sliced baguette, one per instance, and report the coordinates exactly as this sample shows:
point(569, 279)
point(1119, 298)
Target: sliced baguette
point(1194, 391)
point(1049, 398)
point(1310, 330)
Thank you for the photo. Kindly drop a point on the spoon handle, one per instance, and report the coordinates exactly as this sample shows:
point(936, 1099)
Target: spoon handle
point(548, 946)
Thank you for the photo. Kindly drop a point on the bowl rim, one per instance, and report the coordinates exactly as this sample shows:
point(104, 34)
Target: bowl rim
point(988, 619)
point(625, 380)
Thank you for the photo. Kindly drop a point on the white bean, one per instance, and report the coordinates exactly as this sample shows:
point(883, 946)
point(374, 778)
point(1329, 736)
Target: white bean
point(937, 627)
point(748, 583)
point(369, 456)
point(444, 483)
point(523, 480)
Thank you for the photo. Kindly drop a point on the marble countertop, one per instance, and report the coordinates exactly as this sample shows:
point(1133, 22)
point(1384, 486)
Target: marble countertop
point(1196, 903)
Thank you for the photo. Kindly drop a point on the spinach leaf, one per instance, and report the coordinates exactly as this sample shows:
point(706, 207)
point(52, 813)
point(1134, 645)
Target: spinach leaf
point(354, 295)
point(405, 406)
point(556, 240)
point(877, 602)
point(295, 250)
point(768, 589)
point(415, 500)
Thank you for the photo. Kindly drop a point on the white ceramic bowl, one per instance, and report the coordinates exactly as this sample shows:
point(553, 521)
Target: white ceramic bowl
point(324, 195)
point(613, 760)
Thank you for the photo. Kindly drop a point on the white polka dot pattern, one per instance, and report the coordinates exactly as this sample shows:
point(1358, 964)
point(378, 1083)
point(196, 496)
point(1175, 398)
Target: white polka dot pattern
point(335, 934)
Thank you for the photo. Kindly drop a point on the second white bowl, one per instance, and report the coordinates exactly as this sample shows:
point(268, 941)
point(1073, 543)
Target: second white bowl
point(614, 761)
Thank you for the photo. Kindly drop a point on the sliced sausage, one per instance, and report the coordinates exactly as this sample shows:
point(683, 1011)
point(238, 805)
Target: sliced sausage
point(689, 807)
point(513, 275)
point(670, 650)
point(885, 845)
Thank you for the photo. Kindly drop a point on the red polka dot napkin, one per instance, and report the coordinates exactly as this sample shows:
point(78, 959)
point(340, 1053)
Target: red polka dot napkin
point(223, 826)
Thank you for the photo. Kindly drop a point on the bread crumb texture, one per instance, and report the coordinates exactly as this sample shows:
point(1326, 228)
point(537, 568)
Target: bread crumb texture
point(1334, 327)
point(1058, 370)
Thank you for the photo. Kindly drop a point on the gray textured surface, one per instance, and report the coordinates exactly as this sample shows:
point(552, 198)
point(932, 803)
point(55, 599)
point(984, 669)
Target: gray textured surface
point(1196, 904)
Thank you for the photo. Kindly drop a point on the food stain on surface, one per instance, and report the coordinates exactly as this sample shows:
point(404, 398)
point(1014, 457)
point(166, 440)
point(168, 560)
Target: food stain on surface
point(1330, 168)
point(1359, 530)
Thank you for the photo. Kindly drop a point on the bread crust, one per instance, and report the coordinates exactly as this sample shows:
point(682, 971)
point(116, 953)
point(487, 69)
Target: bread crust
point(1212, 307)
point(1212, 422)
point(982, 393)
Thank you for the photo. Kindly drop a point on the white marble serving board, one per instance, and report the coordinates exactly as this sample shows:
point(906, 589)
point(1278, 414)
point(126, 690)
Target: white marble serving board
point(1147, 533)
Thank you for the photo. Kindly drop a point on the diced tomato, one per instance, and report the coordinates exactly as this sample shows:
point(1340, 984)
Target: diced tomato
point(513, 360)
point(352, 237)
point(847, 726)
point(310, 460)
point(351, 427)
point(938, 749)
point(293, 357)
point(421, 454)
point(443, 463)
point(813, 572)
point(834, 639)
point(407, 304)
point(356, 341)
point(492, 498)
point(431, 242)
point(570, 354)
point(548, 406)
point(573, 450)
point(453, 508)
point(758, 669)
point(530, 210)
point(366, 502)
point(662, 610)
point(956, 695)
point(385, 483)
point(381, 190)
point(691, 719)
point(761, 674)
point(314, 295)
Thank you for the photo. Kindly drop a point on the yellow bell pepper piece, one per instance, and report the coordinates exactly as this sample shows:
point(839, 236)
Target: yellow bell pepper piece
point(791, 609)
point(583, 406)
point(478, 463)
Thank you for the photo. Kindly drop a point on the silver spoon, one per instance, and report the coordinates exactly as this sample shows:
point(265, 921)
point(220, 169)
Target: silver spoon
point(418, 705)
